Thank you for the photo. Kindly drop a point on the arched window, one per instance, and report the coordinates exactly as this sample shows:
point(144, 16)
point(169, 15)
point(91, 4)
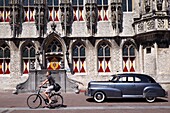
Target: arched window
point(28, 57)
point(54, 46)
point(4, 59)
point(79, 58)
point(104, 57)
point(129, 57)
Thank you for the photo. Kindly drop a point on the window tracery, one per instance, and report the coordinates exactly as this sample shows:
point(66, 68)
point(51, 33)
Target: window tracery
point(129, 57)
point(4, 59)
point(28, 57)
point(104, 57)
point(79, 58)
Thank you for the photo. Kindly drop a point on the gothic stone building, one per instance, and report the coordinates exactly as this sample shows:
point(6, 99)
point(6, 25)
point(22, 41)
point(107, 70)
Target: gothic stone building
point(90, 39)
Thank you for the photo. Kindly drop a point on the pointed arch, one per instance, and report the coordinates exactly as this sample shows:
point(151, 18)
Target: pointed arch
point(27, 56)
point(104, 56)
point(129, 56)
point(79, 57)
point(54, 48)
point(4, 59)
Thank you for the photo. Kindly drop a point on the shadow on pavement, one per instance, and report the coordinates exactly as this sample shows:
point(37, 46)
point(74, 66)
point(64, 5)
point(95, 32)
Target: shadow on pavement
point(55, 107)
point(133, 100)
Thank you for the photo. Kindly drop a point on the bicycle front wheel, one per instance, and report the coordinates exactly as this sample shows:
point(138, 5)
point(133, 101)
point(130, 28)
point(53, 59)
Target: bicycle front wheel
point(57, 100)
point(34, 101)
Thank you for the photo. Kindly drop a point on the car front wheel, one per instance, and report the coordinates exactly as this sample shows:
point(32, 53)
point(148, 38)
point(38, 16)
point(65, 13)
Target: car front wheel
point(99, 97)
point(150, 99)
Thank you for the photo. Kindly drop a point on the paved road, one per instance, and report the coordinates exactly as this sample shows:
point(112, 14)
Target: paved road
point(78, 103)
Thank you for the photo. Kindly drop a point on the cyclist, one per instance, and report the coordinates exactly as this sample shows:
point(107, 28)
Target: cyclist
point(51, 82)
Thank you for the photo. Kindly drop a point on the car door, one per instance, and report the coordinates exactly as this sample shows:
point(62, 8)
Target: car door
point(126, 85)
point(140, 83)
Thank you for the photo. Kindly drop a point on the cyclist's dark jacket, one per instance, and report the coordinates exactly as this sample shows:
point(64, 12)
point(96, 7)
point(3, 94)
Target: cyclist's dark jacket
point(51, 80)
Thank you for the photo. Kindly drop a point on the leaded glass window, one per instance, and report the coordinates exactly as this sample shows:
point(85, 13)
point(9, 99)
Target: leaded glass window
point(79, 58)
point(4, 11)
point(4, 59)
point(53, 7)
point(104, 57)
point(78, 10)
point(127, 5)
point(29, 10)
point(54, 46)
point(103, 10)
point(128, 57)
point(28, 57)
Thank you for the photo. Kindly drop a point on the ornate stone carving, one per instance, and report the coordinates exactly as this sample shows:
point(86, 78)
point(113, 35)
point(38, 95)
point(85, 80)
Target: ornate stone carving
point(16, 17)
point(161, 23)
point(141, 27)
point(150, 24)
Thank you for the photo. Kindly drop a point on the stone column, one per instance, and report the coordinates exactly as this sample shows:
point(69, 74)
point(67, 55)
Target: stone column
point(15, 64)
point(141, 58)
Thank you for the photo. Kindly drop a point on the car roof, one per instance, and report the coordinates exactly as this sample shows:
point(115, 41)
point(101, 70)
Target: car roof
point(135, 75)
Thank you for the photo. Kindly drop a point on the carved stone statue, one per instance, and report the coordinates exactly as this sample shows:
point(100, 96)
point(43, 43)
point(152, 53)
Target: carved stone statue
point(88, 17)
point(91, 19)
point(16, 20)
point(147, 6)
point(159, 4)
point(120, 18)
point(66, 19)
point(40, 17)
point(113, 17)
point(116, 16)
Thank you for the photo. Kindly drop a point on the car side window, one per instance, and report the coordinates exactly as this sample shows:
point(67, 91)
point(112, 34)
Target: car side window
point(138, 80)
point(122, 79)
point(130, 80)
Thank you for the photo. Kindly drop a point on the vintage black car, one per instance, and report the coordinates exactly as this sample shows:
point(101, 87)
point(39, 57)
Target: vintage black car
point(126, 85)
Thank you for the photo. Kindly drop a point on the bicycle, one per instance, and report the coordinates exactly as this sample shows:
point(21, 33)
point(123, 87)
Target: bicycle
point(35, 100)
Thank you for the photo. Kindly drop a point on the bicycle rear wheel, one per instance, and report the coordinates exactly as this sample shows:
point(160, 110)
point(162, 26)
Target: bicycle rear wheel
point(34, 101)
point(57, 100)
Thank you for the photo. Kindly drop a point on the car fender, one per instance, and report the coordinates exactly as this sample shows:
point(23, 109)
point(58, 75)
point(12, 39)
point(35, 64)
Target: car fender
point(152, 91)
point(109, 92)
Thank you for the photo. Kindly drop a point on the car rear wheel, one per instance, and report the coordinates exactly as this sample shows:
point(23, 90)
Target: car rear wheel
point(150, 99)
point(99, 96)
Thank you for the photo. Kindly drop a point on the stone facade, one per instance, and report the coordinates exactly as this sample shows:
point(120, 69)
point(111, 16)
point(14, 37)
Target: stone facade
point(141, 48)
